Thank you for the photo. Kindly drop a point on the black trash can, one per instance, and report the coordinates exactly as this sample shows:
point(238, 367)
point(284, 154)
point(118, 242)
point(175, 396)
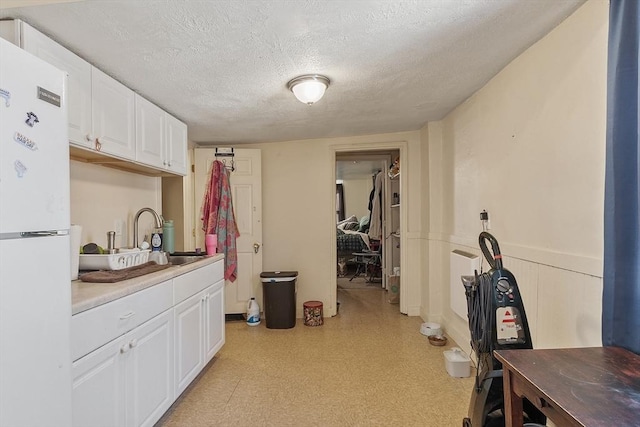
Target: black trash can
point(279, 294)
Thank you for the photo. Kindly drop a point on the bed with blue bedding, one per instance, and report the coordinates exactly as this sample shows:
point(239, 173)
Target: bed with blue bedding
point(349, 242)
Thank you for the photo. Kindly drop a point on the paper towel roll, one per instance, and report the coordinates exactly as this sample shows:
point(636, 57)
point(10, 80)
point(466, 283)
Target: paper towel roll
point(76, 237)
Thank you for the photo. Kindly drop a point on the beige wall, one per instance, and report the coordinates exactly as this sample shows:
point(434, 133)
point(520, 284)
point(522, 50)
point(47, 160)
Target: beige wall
point(298, 196)
point(177, 204)
point(100, 196)
point(356, 196)
point(529, 148)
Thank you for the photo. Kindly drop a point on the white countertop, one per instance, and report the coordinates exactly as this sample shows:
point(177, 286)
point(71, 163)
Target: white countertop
point(85, 296)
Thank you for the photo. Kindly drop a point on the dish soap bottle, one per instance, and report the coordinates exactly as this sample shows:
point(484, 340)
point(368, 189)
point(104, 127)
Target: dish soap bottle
point(156, 240)
point(253, 312)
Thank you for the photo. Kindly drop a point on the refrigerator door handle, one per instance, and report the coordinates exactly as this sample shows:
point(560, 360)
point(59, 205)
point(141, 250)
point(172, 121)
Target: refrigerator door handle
point(42, 233)
point(27, 234)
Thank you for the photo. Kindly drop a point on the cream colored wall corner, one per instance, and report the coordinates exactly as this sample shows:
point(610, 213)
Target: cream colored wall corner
point(427, 211)
point(298, 196)
point(529, 148)
point(100, 196)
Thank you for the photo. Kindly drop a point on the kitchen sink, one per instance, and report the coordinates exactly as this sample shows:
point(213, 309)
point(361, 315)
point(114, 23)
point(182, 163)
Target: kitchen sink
point(184, 259)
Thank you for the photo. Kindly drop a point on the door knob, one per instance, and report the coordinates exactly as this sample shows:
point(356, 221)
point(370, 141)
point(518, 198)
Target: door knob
point(256, 247)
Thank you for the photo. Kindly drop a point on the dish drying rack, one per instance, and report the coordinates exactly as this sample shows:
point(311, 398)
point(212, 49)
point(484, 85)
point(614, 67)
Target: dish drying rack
point(116, 261)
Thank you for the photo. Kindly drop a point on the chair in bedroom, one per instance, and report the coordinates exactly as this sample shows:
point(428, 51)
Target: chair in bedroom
point(368, 263)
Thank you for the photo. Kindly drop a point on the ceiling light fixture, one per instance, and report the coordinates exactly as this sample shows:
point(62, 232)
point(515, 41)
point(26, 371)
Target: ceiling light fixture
point(308, 88)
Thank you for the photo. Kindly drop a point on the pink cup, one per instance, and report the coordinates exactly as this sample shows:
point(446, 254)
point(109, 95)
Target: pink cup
point(211, 242)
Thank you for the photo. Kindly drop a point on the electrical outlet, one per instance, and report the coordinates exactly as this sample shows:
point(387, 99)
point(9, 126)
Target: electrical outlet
point(117, 227)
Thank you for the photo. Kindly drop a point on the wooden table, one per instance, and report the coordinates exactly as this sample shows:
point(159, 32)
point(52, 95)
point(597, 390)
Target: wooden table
point(597, 386)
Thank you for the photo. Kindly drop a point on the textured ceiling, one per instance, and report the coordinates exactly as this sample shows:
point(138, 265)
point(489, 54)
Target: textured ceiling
point(222, 66)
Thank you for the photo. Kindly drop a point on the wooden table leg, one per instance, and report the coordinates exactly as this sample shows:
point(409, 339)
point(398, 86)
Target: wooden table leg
point(512, 402)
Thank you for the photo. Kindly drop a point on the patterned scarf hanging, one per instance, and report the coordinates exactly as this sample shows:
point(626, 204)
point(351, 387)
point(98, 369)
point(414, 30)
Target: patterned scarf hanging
point(218, 217)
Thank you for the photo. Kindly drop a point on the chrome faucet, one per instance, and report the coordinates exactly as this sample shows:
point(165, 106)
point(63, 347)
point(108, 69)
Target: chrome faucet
point(158, 218)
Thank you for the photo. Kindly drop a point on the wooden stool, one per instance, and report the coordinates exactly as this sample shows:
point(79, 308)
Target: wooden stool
point(313, 313)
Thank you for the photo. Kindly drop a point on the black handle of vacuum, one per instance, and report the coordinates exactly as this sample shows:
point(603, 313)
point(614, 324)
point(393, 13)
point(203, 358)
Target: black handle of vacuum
point(495, 260)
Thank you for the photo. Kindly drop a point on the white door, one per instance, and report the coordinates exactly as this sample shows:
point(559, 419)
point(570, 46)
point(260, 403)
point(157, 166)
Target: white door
point(78, 81)
point(112, 115)
point(35, 308)
point(150, 133)
point(176, 145)
point(246, 187)
point(189, 335)
point(150, 371)
point(98, 387)
point(34, 160)
point(214, 320)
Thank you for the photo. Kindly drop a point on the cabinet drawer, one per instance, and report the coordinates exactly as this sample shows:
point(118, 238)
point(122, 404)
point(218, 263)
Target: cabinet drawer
point(96, 327)
point(194, 281)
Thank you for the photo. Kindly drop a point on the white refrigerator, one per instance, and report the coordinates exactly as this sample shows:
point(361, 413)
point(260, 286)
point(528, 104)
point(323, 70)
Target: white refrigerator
point(35, 291)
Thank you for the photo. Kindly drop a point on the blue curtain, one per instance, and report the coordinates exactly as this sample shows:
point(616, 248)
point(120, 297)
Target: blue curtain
point(621, 296)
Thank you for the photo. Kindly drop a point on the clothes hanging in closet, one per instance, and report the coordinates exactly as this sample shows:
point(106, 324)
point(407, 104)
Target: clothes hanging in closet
point(375, 224)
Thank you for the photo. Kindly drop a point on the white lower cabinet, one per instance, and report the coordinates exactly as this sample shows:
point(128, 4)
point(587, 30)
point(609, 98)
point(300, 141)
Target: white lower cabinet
point(98, 387)
point(214, 320)
point(199, 332)
point(135, 355)
point(129, 381)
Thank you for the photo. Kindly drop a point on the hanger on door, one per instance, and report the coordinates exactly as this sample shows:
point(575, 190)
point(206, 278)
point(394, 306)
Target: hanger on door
point(225, 153)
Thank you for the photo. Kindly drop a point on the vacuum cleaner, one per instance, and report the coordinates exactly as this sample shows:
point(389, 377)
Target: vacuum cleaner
point(497, 321)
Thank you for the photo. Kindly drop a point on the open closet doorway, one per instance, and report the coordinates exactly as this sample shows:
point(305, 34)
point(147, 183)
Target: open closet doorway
point(368, 221)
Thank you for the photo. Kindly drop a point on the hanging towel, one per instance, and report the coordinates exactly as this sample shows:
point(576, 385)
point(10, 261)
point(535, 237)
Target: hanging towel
point(218, 218)
point(375, 225)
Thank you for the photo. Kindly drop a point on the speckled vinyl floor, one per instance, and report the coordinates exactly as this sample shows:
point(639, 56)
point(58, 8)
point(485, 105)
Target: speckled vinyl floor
point(368, 366)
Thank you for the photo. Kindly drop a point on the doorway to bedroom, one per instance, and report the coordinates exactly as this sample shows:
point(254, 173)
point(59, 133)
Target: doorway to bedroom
point(368, 222)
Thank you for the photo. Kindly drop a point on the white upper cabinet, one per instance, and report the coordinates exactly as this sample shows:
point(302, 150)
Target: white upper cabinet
point(112, 116)
point(78, 81)
point(150, 133)
point(161, 139)
point(176, 145)
point(107, 119)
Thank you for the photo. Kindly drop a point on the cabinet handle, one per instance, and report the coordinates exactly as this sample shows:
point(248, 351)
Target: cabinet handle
point(133, 343)
point(98, 144)
point(124, 349)
point(128, 315)
point(89, 137)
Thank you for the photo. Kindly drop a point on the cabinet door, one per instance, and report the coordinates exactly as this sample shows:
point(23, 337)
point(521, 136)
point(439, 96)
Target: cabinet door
point(78, 81)
point(176, 146)
point(112, 116)
point(214, 320)
point(98, 397)
point(189, 348)
point(149, 374)
point(150, 133)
